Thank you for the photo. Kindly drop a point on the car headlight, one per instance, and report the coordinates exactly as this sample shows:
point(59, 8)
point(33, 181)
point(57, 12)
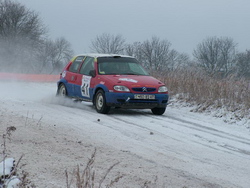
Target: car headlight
point(121, 88)
point(162, 89)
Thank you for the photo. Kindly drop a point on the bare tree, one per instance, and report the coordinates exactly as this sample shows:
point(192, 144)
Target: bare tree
point(54, 55)
point(207, 54)
point(21, 32)
point(243, 64)
point(107, 43)
point(216, 55)
point(228, 55)
point(62, 54)
point(19, 23)
point(181, 61)
point(135, 50)
point(157, 56)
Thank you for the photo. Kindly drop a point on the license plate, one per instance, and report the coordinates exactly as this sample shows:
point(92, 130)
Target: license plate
point(138, 96)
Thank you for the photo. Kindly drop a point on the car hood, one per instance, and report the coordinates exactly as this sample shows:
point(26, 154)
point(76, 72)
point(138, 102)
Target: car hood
point(132, 80)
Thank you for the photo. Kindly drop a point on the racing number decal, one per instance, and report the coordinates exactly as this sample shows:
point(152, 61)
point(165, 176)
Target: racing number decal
point(85, 85)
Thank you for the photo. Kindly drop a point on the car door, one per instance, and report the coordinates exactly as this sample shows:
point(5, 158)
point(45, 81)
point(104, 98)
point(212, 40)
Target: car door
point(72, 76)
point(85, 78)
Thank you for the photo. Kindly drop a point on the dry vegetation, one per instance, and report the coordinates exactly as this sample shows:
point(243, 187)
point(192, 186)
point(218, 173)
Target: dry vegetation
point(16, 171)
point(86, 178)
point(197, 88)
point(79, 178)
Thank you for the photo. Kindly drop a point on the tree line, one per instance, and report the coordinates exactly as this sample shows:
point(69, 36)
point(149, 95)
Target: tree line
point(216, 57)
point(24, 47)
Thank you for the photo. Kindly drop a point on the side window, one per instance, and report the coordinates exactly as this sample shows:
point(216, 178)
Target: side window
point(87, 66)
point(76, 64)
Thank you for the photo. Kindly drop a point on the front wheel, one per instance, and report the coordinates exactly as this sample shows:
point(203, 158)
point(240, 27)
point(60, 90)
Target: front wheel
point(158, 111)
point(100, 103)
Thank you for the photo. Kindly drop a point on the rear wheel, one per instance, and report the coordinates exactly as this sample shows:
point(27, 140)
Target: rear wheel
point(100, 103)
point(158, 111)
point(62, 91)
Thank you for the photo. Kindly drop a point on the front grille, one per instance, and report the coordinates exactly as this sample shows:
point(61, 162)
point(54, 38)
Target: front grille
point(144, 89)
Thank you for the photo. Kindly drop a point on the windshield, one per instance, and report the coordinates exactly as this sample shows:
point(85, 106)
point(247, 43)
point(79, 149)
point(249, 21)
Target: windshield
point(120, 66)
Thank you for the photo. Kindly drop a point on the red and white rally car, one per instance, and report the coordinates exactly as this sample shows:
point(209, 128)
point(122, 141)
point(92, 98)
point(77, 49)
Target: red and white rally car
point(112, 81)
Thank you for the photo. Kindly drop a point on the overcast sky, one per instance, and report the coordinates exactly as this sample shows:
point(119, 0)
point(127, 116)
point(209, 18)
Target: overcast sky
point(184, 23)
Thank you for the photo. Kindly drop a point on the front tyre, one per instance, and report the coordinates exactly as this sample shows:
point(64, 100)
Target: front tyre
point(158, 111)
point(100, 103)
point(62, 91)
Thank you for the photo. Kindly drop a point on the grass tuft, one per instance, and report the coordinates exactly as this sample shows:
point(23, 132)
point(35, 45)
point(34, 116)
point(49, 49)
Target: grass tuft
point(86, 178)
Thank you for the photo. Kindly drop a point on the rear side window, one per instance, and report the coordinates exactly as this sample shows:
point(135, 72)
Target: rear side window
point(76, 64)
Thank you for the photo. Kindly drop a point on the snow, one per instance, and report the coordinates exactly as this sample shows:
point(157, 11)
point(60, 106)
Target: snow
point(6, 166)
point(180, 148)
point(12, 182)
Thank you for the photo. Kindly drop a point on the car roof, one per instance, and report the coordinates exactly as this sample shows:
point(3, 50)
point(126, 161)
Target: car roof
point(96, 55)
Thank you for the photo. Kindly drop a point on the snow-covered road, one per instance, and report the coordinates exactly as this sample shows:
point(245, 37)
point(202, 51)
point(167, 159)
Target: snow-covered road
point(180, 148)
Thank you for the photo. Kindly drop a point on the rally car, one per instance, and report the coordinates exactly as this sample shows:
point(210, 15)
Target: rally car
point(112, 81)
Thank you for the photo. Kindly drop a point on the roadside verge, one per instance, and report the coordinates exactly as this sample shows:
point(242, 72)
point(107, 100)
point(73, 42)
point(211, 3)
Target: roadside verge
point(29, 77)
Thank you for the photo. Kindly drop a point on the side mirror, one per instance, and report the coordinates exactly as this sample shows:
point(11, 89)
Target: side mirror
point(92, 73)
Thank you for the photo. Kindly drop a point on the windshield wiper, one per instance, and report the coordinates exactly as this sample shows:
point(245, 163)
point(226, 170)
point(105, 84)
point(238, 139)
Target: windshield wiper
point(129, 73)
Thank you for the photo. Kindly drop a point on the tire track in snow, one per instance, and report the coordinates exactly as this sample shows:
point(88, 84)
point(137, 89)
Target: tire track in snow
point(211, 131)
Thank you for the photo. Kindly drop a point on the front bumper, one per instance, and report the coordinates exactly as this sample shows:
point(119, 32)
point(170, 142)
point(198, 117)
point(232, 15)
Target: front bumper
point(127, 100)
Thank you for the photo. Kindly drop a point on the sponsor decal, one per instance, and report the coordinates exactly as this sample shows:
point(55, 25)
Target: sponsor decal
point(128, 80)
point(85, 85)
